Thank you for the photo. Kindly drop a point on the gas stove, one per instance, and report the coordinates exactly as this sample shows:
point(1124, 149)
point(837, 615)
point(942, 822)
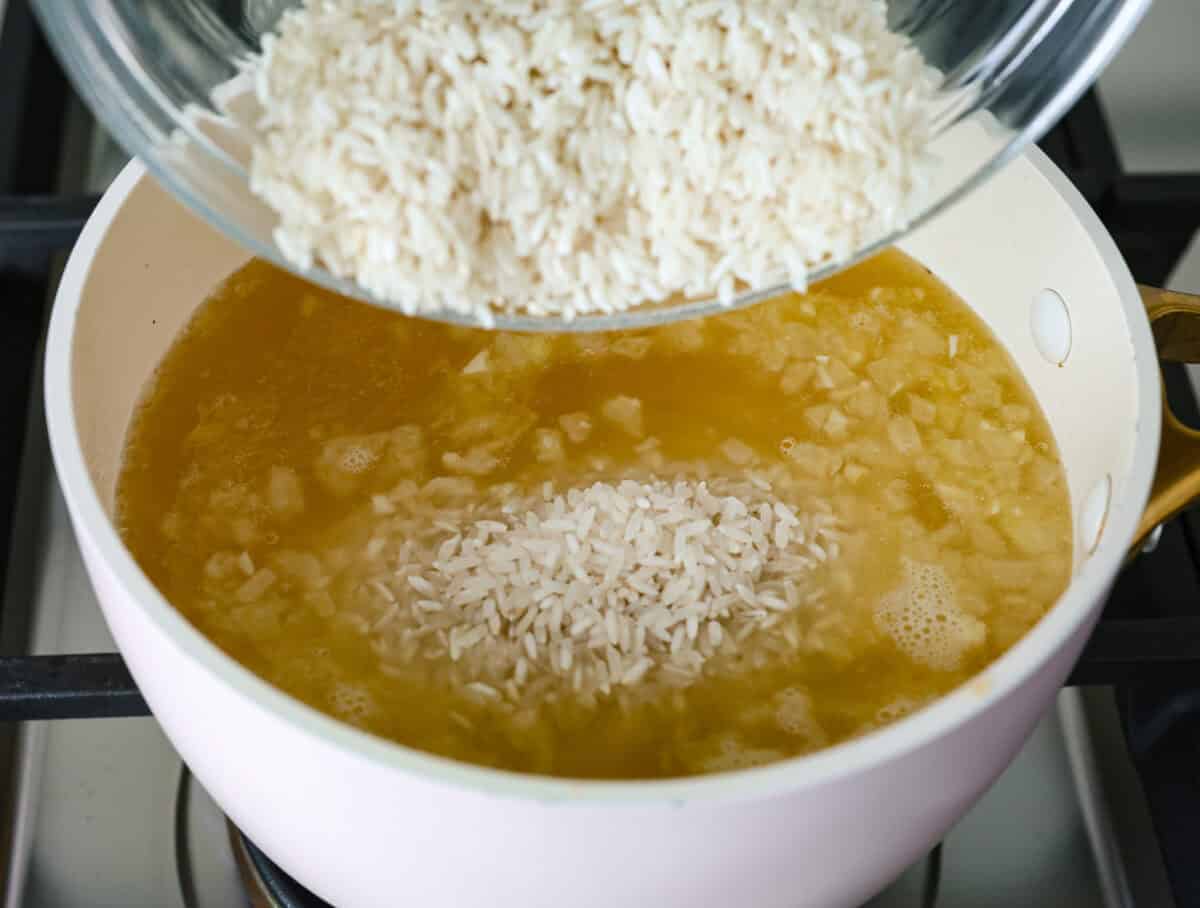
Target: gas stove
point(1102, 806)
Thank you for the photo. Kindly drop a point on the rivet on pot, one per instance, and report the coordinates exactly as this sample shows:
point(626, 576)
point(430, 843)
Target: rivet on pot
point(1152, 540)
point(1094, 514)
point(1050, 322)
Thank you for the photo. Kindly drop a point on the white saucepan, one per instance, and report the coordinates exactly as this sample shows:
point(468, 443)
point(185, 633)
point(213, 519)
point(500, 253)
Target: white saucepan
point(364, 822)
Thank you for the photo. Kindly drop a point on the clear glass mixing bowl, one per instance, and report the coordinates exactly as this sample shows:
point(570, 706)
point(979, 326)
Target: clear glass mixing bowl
point(148, 69)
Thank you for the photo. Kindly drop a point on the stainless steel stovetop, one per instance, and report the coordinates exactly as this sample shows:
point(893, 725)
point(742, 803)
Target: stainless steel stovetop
point(104, 813)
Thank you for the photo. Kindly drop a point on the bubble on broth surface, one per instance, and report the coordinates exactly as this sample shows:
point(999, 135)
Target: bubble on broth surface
point(352, 702)
point(356, 458)
point(733, 754)
point(794, 715)
point(897, 709)
point(924, 619)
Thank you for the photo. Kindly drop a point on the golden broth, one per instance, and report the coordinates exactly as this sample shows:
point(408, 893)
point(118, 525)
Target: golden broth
point(878, 392)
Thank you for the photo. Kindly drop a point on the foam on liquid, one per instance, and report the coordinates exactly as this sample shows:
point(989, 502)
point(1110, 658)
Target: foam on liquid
point(926, 621)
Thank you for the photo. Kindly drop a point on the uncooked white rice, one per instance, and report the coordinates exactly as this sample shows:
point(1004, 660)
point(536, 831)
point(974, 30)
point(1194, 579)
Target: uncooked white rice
point(599, 586)
point(560, 158)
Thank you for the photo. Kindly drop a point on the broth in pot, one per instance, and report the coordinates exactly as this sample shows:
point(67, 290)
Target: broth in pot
point(644, 554)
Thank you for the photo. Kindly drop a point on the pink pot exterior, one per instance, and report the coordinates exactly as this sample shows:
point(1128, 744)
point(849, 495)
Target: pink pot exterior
point(363, 823)
point(359, 834)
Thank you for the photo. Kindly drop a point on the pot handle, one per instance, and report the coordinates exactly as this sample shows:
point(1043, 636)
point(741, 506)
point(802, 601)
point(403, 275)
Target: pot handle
point(1148, 647)
point(1175, 321)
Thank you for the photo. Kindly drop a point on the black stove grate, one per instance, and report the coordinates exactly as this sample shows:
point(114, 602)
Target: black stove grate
point(277, 885)
point(1152, 620)
point(1149, 640)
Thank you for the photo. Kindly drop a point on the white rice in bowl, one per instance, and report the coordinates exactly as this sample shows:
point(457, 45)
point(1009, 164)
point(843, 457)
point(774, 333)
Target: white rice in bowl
point(557, 158)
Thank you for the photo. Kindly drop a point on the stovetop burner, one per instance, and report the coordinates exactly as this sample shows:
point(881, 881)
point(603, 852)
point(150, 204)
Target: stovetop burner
point(269, 887)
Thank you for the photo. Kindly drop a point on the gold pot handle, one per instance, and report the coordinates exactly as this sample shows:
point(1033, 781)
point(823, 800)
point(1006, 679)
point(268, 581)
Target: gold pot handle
point(1175, 320)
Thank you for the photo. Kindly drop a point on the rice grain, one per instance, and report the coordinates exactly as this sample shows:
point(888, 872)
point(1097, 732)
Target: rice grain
point(664, 574)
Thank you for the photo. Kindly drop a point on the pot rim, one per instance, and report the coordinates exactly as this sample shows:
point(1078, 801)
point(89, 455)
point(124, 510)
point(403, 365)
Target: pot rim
point(1083, 597)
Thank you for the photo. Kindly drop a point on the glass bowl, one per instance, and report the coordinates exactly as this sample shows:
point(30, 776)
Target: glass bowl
point(149, 70)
